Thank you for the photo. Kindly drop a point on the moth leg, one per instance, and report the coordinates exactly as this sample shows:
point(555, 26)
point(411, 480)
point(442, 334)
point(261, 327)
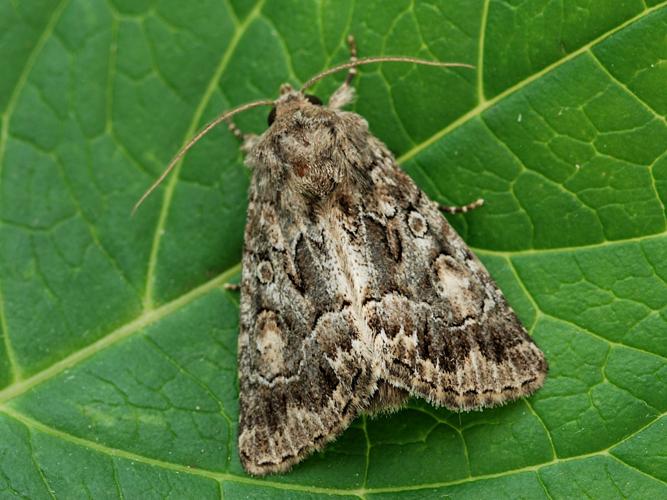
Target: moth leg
point(345, 93)
point(247, 140)
point(352, 72)
point(463, 209)
point(232, 287)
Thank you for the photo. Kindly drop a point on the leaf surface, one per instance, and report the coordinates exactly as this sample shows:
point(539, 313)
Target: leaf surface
point(118, 340)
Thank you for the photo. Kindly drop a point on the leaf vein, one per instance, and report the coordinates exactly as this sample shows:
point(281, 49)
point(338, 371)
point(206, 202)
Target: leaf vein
point(14, 367)
point(220, 476)
point(172, 181)
point(147, 318)
point(477, 110)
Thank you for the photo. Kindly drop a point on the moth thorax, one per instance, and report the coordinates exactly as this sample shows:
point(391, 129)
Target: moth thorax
point(311, 159)
point(313, 179)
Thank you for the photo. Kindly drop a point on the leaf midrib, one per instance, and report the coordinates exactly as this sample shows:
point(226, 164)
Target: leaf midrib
point(221, 477)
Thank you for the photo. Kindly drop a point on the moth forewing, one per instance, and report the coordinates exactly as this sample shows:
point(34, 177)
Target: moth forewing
point(371, 295)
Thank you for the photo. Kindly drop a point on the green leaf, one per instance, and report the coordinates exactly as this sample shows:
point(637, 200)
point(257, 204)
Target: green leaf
point(118, 340)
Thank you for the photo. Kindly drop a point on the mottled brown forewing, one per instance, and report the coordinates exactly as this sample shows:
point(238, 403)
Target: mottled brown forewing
point(356, 293)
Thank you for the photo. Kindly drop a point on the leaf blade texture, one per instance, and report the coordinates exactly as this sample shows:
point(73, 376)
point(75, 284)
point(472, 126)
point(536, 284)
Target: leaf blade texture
point(118, 340)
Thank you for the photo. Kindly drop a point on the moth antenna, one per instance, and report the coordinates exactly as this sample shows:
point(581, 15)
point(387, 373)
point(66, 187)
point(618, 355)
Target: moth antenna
point(193, 141)
point(371, 60)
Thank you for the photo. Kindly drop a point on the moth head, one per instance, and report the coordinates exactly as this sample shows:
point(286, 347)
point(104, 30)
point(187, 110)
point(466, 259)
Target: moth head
point(309, 147)
point(289, 100)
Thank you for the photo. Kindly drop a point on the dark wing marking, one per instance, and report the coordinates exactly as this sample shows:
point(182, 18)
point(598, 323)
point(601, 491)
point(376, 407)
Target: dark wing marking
point(301, 381)
point(447, 332)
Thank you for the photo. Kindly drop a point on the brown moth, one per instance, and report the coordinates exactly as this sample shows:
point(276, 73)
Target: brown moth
point(356, 293)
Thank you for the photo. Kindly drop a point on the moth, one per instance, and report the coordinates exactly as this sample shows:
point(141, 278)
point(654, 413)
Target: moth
point(356, 293)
